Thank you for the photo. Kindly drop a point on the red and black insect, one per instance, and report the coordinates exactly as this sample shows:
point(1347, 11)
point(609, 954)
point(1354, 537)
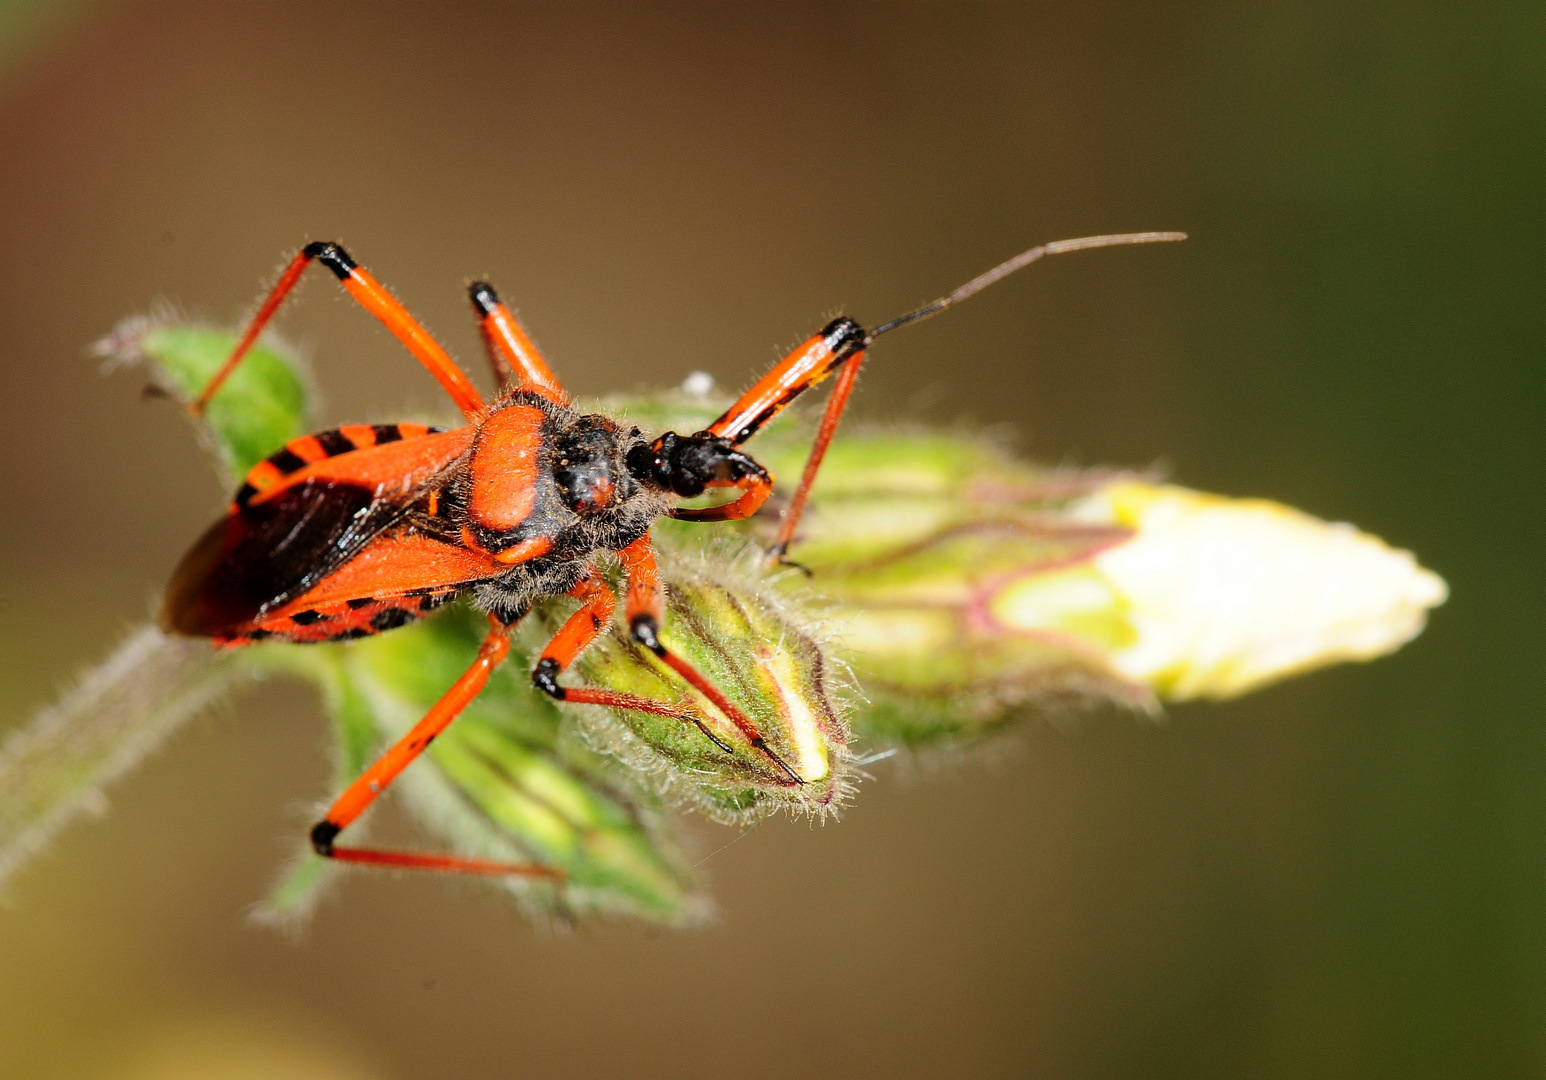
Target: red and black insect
point(362, 529)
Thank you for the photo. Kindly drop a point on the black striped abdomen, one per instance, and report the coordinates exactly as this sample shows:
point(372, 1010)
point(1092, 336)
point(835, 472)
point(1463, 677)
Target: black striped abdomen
point(298, 453)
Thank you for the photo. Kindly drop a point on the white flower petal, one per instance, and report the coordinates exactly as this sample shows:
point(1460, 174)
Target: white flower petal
point(1228, 594)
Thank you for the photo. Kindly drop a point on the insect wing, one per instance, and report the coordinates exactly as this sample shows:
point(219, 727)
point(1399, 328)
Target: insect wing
point(277, 544)
point(396, 578)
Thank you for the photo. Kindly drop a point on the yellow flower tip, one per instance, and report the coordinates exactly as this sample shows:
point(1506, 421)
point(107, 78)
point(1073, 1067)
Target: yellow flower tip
point(1227, 595)
point(812, 762)
point(1214, 597)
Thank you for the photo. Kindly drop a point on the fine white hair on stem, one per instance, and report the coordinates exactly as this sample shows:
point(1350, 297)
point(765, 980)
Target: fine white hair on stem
point(57, 765)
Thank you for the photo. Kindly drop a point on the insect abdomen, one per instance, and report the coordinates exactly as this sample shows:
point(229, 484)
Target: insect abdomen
point(298, 453)
point(357, 618)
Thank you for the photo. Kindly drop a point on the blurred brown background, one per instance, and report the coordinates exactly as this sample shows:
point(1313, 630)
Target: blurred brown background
point(1338, 877)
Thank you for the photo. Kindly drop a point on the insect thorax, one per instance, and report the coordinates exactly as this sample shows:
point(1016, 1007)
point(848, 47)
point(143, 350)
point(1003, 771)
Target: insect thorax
point(551, 485)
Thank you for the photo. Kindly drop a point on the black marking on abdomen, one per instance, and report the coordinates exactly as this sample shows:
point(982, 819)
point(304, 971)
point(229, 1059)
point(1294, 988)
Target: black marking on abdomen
point(333, 442)
point(391, 619)
point(353, 633)
point(286, 460)
point(344, 620)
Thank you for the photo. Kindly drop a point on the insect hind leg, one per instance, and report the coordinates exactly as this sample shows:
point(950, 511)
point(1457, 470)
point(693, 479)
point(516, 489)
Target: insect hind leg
point(370, 295)
point(358, 796)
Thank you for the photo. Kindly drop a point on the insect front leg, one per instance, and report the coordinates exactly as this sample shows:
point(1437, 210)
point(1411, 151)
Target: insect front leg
point(839, 347)
point(688, 465)
point(645, 610)
point(847, 376)
point(710, 458)
point(375, 780)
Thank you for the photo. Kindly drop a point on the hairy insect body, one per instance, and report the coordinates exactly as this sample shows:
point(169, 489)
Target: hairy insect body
point(525, 499)
point(546, 487)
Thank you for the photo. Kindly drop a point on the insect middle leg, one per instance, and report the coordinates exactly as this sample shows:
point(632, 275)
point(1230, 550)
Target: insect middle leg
point(839, 347)
point(645, 608)
point(512, 355)
point(375, 780)
point(370, 295)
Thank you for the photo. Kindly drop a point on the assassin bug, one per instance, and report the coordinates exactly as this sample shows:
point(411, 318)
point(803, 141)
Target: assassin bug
point(364, 528)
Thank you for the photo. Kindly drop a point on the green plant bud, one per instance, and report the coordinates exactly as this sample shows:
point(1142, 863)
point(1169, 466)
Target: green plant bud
point(1093, 586)
point(907, 535)
point(966, 585)
point(725, 620)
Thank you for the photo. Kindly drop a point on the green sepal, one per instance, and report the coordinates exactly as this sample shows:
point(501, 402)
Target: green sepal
point(259, 408)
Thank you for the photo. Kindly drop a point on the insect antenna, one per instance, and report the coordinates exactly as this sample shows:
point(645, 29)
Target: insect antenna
point(1025, 258)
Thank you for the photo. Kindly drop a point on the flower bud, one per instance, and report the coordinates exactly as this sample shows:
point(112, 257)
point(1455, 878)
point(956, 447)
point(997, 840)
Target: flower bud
point(1221, 596)
point(966, 584)
point(724, 619)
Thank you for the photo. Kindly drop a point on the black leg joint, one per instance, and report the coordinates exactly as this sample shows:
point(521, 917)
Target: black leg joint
point(844, 337)
point(646, 631)
point(512, 616)
point(333, 257)
point(545, 678)
point(322, 835)
point(483, 296)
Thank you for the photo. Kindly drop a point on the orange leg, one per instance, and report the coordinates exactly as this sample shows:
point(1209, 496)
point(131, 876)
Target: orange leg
point(756, 489)
point(645, 608)
point(374, 299)
point(829, 420)
point(575, 636)
point(839, 346)
point(364, 791)
point(796, 373)
point(510, 350)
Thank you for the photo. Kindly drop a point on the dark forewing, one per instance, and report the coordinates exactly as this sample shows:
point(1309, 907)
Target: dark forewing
point(263, 554)
point(300, 515)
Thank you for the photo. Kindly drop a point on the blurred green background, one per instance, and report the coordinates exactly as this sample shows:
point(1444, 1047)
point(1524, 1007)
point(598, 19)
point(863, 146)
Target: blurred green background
point(1342, 876)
